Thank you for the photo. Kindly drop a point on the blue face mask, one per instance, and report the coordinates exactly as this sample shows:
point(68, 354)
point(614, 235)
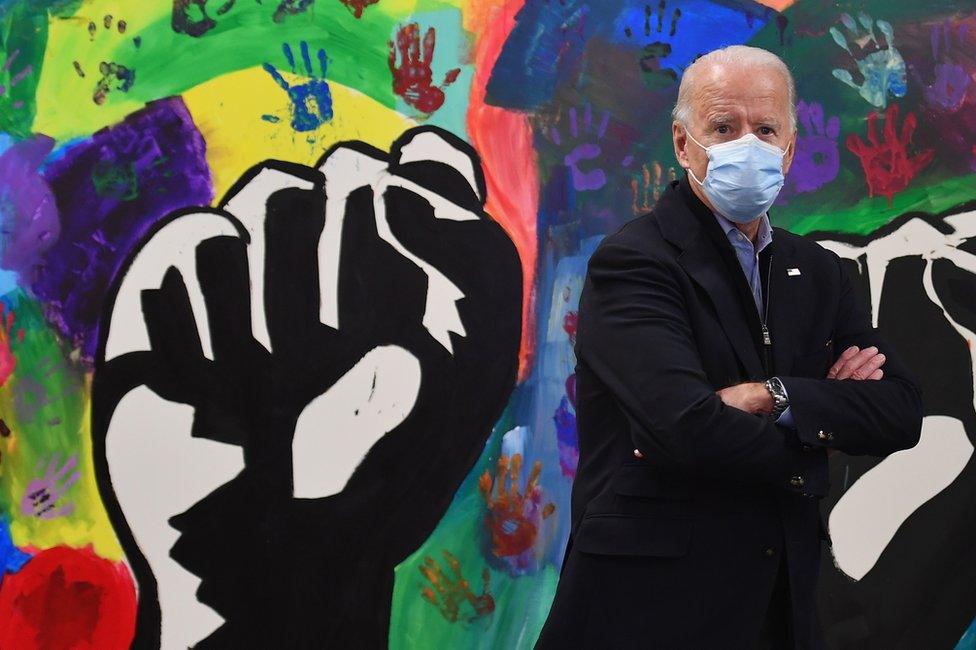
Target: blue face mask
point(743, 178)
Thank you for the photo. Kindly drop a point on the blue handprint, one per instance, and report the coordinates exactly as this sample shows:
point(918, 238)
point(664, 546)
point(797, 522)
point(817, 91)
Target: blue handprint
point(880, 66)
point(312, 101)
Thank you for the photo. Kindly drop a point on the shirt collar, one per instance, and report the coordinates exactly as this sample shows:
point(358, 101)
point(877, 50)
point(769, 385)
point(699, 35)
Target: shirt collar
point(764, 236)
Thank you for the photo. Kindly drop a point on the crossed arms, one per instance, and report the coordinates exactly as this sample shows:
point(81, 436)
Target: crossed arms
point(634, 333)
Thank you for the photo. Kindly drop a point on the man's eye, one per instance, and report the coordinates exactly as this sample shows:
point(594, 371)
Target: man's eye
point(723, 129)
point(765, 130)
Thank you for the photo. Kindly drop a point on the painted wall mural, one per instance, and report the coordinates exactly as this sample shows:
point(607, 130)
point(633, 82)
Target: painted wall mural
point(288, 296)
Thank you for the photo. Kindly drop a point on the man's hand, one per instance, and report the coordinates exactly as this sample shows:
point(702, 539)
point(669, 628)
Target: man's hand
point(751, 397)
point(855, 363)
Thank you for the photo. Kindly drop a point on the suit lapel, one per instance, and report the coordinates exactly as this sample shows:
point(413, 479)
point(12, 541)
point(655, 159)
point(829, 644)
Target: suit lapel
point(702, 263)
point(687, 223)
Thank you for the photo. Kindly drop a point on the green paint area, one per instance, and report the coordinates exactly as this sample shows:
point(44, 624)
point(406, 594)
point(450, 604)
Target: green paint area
point(165, 62)
point(23, 39)
point(869, 214)
point(843, 204)
point(521, 603)
point(44, 406)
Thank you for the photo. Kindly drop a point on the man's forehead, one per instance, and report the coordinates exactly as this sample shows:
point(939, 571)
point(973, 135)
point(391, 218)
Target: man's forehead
point(723, 87)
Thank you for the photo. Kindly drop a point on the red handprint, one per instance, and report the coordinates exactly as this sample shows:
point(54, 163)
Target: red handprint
point(358, 6)
point(413, 79)
point(887, 165)
point(513, 517)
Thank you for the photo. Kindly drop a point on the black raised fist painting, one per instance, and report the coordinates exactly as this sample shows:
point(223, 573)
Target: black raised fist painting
point(290, 387)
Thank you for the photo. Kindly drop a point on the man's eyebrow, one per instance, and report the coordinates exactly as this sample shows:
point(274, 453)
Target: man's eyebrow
point(720, 118)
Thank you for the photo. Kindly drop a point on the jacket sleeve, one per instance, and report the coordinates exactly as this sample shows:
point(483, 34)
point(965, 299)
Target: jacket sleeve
point(634, 333)
point(875, 417)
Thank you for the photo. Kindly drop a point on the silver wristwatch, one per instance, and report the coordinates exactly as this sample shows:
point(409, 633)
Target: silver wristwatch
point(778, 391)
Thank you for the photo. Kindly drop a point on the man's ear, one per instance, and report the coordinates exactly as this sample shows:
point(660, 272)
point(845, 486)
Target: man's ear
point(790, 152)
point(680, 138)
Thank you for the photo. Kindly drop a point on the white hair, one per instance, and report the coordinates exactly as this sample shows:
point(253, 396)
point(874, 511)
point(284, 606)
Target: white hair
point(744, 55)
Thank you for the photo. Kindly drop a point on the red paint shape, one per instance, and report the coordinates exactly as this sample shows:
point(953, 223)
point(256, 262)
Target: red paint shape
point(412, 76)
point(68, 599)
point(357, 6)
point(887, 166)
point(570, 322)
point(7, 360)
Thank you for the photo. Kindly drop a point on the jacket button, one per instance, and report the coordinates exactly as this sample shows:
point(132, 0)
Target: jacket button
point(806, 447)
point(769, 552)
point(797, 481)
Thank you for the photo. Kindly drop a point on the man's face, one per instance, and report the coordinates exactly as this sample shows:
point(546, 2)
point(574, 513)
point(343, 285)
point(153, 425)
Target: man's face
point(730, 101)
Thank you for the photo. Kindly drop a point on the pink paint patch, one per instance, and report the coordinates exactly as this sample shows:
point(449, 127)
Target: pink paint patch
point(7, 360)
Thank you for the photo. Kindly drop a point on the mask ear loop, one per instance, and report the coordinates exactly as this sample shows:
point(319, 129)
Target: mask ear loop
point(688, 169)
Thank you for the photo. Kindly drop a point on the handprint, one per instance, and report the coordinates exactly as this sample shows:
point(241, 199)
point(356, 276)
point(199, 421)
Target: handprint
point(950, 81)
point(817, 158)
point(585, 148)
point(652, 65)
point(880, 68)
point(357, 6)
point(291, 8)
point(311, 101)
point(448, 595)
point(43, 495)
point(295, 357)
point(412, 76)
point(887, 166)
point(648, 189)
point(16, 77)
point(112, 73)
point(183, 23)
point(513, 516)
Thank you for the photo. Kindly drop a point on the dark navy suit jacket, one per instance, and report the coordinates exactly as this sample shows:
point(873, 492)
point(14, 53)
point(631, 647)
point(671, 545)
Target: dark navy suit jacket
point(679, 549)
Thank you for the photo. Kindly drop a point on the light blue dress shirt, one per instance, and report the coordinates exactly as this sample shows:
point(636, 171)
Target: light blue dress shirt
point(748, 254)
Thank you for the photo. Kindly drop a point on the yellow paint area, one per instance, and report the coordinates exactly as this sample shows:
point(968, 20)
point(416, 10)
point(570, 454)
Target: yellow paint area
point(229, 111)
point(88, 524)
point(65, 108)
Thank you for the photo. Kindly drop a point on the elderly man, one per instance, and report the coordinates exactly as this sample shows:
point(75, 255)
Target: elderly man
point(716, 365)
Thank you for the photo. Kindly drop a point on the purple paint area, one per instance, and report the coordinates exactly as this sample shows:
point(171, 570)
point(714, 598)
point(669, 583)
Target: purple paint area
point(566, 440)
point(110, 189)
point(28, 213)
point(817, 159)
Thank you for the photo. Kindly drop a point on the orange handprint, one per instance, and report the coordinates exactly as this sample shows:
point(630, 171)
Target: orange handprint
point(646, 192)
point(887, 166)
point(448, 595)
point(513, 517)
point(412, 78)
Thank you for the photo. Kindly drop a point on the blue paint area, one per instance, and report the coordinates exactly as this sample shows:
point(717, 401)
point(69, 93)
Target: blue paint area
point(311, 101)
point(968, 640)
point(11, 557)
point(547, 44)
point(8, 281)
